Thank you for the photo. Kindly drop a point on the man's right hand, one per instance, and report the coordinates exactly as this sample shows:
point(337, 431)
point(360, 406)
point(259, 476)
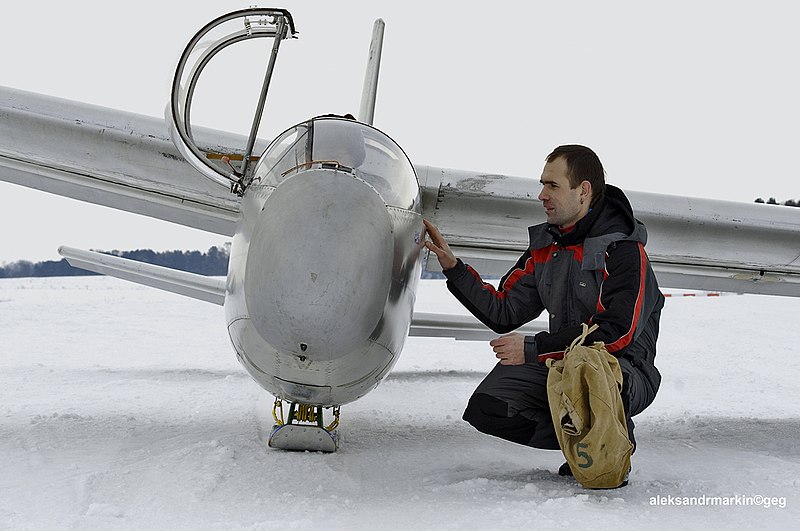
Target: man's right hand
point(438, 245)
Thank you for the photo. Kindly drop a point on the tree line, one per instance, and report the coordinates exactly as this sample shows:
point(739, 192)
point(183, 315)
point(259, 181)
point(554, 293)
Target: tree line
point(773, 201)
point(214, 262)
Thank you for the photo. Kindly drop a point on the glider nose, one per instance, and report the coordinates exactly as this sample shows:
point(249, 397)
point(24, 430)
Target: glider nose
point(319, 269)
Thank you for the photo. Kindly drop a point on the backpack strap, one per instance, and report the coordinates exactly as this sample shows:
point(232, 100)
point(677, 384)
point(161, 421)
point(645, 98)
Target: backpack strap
point(581, 338)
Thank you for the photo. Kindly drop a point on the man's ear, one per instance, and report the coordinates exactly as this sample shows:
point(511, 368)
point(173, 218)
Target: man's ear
point(586, 191)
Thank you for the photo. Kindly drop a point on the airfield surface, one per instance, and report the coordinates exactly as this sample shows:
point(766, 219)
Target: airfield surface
point(122, 407)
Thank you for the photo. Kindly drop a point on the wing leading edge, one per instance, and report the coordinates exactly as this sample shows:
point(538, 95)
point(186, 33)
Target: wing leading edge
point(111, 158)
point(461, 327)
point(192, 285)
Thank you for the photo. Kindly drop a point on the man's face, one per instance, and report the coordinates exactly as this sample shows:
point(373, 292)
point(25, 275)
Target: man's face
point(562, 204)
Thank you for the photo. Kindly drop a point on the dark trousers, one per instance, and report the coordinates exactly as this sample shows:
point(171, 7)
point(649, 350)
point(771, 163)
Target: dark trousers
point(511, 403)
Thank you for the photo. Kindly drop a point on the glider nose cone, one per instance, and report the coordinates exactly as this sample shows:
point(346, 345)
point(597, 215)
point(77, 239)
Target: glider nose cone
point(319, 268)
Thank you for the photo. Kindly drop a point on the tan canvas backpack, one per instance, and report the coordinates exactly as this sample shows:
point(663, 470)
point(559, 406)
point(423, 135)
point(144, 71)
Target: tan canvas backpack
point(583, 390)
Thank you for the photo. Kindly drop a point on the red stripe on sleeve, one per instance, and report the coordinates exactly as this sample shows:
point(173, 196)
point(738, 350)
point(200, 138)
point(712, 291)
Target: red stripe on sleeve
point(626, 339)
point(486, 285)
point(510, 280)
point(518, 274)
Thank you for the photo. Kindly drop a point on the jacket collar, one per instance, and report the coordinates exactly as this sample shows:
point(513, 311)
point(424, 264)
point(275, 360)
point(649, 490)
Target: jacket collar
point(612, 214)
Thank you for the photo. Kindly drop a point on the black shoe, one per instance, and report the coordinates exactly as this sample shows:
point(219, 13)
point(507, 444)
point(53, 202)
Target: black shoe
point(565, 470)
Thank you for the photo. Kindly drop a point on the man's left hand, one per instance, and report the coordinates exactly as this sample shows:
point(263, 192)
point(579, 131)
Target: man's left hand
point(509, 349)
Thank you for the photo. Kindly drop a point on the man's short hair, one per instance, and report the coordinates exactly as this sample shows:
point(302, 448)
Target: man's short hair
point(583, 164)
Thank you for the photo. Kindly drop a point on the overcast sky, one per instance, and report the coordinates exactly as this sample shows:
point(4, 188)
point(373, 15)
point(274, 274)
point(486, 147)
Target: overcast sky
point(692, 98)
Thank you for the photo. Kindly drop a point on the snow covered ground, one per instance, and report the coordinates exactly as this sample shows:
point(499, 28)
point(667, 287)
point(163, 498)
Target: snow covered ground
point(122, 407)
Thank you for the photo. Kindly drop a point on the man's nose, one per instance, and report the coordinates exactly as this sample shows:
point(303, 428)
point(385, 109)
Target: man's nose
point(542, 195)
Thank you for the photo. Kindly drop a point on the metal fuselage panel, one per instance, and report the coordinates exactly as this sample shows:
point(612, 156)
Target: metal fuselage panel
point(321, 285)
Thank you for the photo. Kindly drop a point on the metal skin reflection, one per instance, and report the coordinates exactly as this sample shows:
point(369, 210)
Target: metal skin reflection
point(324, 268)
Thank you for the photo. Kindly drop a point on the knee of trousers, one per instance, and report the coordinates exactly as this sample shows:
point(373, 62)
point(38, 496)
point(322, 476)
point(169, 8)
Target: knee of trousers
point(486, 412)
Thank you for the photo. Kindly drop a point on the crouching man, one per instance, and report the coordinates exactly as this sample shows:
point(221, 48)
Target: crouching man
point(587, 264)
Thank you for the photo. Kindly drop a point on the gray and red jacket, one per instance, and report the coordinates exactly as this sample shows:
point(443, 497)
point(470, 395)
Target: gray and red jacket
point(596, 273)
